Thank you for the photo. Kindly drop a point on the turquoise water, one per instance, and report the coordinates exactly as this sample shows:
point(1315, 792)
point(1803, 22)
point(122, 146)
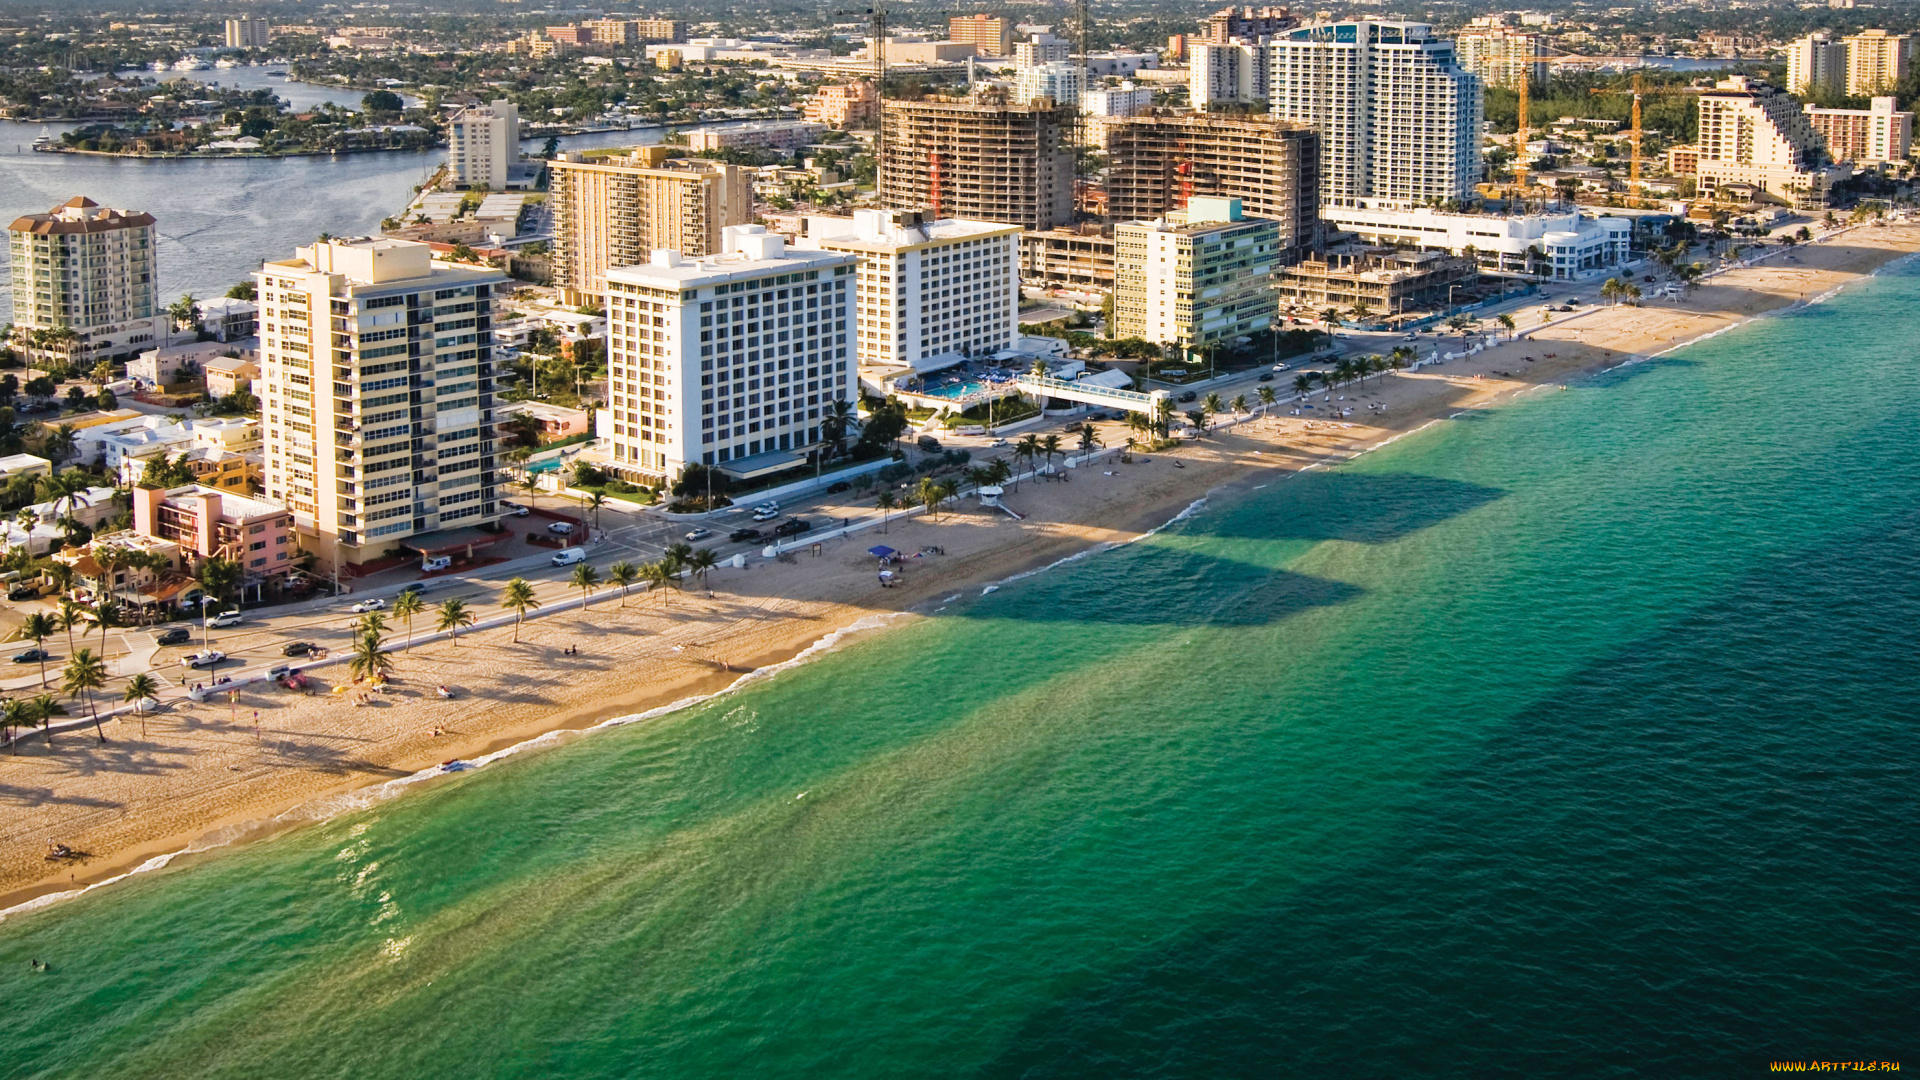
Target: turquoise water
point(1576, 737)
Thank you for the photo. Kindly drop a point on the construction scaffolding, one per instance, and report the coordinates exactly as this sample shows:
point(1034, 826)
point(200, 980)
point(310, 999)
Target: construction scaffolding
point(1160, 163)
point(980, 160)
point(1385, 281)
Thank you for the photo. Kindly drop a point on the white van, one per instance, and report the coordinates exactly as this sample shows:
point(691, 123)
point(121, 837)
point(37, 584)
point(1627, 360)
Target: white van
point(436, 562)
point(569, 557)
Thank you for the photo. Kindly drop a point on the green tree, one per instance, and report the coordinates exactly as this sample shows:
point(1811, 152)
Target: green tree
point(369, 659)
point(220, 576)
point(584, 578)
point(703, 563)
point(930, 495)
point(454, 617)
point(885, 502)
point(1267, 398)
point(1089, 438)
point(71, 614)
point(45, 708)
point(16, 713)
point(38, 627)
point(139, 689)
point(518, 598)
point(406, 606)
point(622, 575)
point(658, 575)
point(84, 674)
point(1050, 446)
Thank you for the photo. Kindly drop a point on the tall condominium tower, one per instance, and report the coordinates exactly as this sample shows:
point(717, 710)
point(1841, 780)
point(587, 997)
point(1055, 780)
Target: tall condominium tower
point(1399, 122)
point(84, 279)
point(615, 209)
point(730, 360)
point(483, 143)
point(1876, 60)
point(247, 32)
point(1228, 24)
point(1158, 164)
point(927, 287)
point(992, 33)
point(1501, 55)
point(979, 160)
point(1752, 133)
point(1816, 64)
point(1232, 72)
point(376, 369)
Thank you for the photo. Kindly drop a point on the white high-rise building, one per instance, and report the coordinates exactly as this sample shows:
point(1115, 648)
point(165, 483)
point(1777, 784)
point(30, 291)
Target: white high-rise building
point(1501, 55)
point(483, 144)
point(1816, 64)
point(1399, 121)
point(1123, 100)
point(85, 273)
point(1876, 61)
point(927, 288)
point(1060, 82)
point(1196, 277)
point(1042, 49)
point(1232, 72)
point(729, 360)
point(376, 387)
point(248, 32)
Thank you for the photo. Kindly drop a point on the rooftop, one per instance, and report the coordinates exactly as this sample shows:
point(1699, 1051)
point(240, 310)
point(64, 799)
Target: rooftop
point(891, 230)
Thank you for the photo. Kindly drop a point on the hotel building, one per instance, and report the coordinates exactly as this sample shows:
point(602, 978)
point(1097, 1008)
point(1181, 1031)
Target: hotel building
point(616, 209)
point(1399, 122)
point(1195, 278)
point(1872, 136)
point(727, 360)
point(1753, 134)
point(377, 393)
point(88, 271)
point(927, 287)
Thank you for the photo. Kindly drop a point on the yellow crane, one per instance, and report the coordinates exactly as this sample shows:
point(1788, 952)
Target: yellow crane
point(1641, 89)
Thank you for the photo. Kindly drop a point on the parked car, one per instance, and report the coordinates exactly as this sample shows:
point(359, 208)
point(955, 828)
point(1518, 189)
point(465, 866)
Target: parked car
point(299, 648)
point(23, 592)
point(278, 672)
point(792, 527)
point(839, 487)
point(569, 557)
point(698, 534)
point(227, 618)
point(561, 528)
point(32, 656)
point(413, 587)
point(515, 509)
point(365, 606)
point(1191, 395)
point(741, 536)
point(178, 635)
point(1266, 376)
point(210, 658)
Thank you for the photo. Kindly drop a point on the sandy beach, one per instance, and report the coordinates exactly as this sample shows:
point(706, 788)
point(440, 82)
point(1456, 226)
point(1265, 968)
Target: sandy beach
point(200, 775)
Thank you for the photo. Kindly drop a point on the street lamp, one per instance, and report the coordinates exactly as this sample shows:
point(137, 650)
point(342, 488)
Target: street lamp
point(205, 631)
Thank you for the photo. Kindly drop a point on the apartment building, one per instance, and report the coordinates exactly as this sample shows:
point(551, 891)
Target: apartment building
point(1248, 24)
point(575, 36)
point(85, 287)
point(210, 523)
point(928, 287)
point(1042, 49)
point(377, 392)
point(247, 32)
point(1399, 121)
point(782, 135)
point(1756, 135)
point(1501, 55)
point(1195, 278)
point(982, 161)
point(1159, 163)
point(483, 145)
point(1817, 64)
point(1228, 73)
point(992, 34)
point(1061, 83)
point(1876, 61)
point(1876, 135)
point(728, 360)
point(613, 32)
point(844, 106)
point(1123, 100)
point(661, 31)
point(614, 208)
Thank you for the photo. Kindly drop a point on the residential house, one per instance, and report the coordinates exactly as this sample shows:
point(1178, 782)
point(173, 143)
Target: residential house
point(227, 374)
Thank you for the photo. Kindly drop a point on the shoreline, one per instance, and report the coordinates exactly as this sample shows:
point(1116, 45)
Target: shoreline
point(769, 617)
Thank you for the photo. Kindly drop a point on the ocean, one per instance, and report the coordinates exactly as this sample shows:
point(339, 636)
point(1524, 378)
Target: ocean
point(1572, 737)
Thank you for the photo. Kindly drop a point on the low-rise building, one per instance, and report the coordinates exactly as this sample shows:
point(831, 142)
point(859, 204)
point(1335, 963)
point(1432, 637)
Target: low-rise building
point(1075, 258)
point(209, 523)
point(1195, 278)
point(555, 421)
point(845, 105)
point(227, 374)
point(229, 318)
point(13, 465)
point(175, 364)
point(1562, 246)
point(1385, 281)
point(785, 135)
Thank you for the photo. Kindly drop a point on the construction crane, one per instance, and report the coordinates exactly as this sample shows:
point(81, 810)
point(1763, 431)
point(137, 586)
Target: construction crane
point(1641, 89)
point(1520, 135)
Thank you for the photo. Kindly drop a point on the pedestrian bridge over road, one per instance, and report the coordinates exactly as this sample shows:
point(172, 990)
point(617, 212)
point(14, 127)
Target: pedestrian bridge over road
point(1147, 403)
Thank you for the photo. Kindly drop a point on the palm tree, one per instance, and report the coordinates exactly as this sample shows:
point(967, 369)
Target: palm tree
point(658, 575)
point(1506, 323)
point(931, 494)
point(16, 713)
point(1400, 357)
point(1213, 404)
point(1267, 398)
point(1029, 448)
point(623, 574)
point(1089, 438)
point(675, 558)
point(107, 614)
point(833, 425)
point(45, 708)
point(453, 616)
point(884, 502)
point(594, 501)
point(372, 623)
point(40, 626)
point(71, 614)
point(219, 575)
point(58, 445)
point(1051, 446)
point(703, 563)
point(517, 597)
point(369, 660)
point(1302, 384)
point(1239, 404)
point(1331, 319)
point(406, 606)
point(67, 492)
point(584, 578)
point(84, 674)
point(139, 689)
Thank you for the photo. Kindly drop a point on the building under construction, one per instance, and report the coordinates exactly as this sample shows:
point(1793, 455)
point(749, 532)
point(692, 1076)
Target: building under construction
point(1072, 257)
point(987, 161)
point(1158, 163)
point(1387, 282)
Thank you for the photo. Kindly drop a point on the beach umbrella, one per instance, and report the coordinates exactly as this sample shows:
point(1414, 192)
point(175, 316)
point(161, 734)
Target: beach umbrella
point(881, 551)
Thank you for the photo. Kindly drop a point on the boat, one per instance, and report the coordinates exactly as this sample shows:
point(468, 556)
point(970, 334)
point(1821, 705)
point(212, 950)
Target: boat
point(226, 62)
point(192, 63)
point(159, 65)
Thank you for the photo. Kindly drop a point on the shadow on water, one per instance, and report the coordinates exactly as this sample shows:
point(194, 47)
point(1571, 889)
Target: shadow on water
point(1692, 857)
point(1364, 508)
